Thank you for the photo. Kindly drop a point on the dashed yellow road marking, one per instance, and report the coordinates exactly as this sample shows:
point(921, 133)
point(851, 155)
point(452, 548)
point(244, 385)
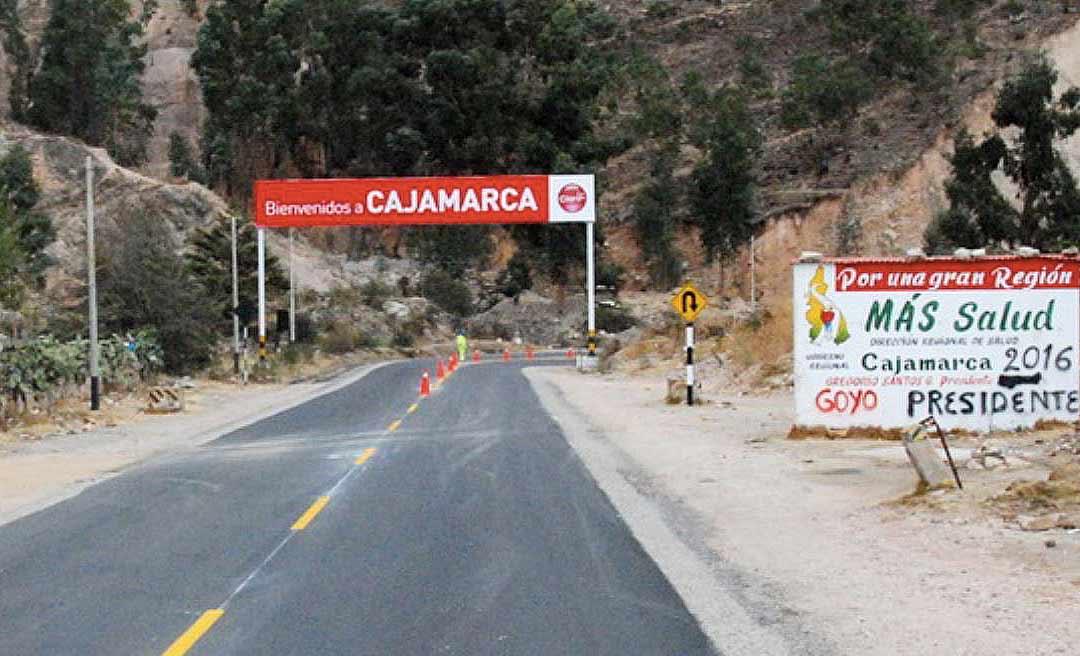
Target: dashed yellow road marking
point(413, 407)
point(310, 513)
point(365, 456)
point(394, 426)
point(188, 639)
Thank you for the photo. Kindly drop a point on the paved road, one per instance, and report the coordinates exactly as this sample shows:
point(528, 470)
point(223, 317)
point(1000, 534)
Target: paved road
point(349, 525)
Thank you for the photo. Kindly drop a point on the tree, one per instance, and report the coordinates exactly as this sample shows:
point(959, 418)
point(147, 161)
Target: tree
point(451, 248)
point(12, 284)
point(892, 41)
point(208, 260)
point(449, 87)
point(247, 61)
point(654, 219)
point(516, 278)
point(19, 53)
point(1027, 103)
point(723, 183)
point(978, 215)
point(143, 284)
point(824, 91)
point(182, 162)
point(32, 230)
point(88, 84)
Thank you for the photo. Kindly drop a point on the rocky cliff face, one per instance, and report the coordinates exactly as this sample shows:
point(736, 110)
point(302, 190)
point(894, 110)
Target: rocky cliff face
point(60, 169)
point(168, 83)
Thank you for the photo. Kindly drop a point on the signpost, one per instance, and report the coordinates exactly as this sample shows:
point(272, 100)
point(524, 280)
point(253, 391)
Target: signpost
point(496, 199)
point(689, 303)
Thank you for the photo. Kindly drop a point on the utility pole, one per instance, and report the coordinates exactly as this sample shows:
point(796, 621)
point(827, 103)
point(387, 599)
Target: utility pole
point(91, 275)
point(235, 301)
point(292, 292)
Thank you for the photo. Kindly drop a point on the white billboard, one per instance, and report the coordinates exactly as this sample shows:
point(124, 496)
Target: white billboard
point(984, 343)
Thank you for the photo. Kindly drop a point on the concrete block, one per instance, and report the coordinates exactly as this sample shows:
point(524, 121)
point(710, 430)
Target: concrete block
point(933, 472)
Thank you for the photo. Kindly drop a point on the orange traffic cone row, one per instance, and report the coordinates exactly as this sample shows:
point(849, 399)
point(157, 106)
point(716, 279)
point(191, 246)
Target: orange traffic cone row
point(425, 384)
point(476, 356)
point(440, 371)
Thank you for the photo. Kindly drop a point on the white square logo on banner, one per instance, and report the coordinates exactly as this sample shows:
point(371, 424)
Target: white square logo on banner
point(572, 198)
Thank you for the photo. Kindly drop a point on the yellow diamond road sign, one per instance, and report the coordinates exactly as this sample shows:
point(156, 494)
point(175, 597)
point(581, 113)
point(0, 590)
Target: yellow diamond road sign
point(689, 302)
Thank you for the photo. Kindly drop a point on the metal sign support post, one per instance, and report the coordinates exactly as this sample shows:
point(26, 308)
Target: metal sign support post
point(235, 301)
point(690, 363)
point(292, 292)
point(590, 282)
point(91, 275)
point(262, 295)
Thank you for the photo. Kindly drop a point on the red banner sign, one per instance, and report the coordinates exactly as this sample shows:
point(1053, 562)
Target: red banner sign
point(425, 201)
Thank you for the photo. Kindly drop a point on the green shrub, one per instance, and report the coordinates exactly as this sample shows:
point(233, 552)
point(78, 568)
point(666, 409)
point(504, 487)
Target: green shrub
point(343, 337)
point(614, 319)
point(661, 9)
point(610, 274)
point(823, 92)
point(296, 353)
point(517, 277)
point(374, 293)
point(403, 339)
point(447, 292)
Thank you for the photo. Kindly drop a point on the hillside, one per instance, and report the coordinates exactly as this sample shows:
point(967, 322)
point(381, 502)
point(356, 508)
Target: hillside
point(878, 176)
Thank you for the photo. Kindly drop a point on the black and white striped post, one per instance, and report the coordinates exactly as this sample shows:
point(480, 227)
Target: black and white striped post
point(690, 363)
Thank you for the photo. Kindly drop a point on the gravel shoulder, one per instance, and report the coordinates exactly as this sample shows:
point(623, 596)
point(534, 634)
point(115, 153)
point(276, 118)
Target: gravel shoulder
point(37, 474)
point(818, 542)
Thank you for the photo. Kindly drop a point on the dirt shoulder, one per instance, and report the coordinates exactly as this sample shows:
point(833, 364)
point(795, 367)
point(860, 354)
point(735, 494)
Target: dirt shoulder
point(817, 538)
point(36, 473)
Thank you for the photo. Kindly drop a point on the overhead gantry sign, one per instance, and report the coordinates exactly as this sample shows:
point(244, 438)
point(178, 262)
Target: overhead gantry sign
point(477, 200)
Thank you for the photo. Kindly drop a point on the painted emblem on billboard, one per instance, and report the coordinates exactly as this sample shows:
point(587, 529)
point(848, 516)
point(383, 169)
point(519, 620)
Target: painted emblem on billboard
point(827, 321)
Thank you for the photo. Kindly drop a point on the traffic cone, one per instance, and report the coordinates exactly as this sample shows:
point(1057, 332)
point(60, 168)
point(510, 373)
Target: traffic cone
point(440, 371)
point(453, 363)
point(570, 354)
point(529, 353)
point(476, 356)
point(425, 384)
point(506, 355)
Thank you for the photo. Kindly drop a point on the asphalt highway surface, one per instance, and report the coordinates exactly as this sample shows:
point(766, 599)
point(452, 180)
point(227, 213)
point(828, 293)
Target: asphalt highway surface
point(366, 521)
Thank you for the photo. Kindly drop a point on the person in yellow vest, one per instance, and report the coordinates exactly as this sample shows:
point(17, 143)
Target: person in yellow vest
point(462, 346)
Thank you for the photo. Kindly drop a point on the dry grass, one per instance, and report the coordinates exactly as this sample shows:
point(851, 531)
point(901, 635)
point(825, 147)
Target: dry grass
point(764, 341)
point(1053, 425)
point(853, 433)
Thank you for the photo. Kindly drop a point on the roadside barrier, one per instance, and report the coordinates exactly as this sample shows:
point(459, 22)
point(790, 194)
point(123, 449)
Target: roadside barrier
point(165, 399)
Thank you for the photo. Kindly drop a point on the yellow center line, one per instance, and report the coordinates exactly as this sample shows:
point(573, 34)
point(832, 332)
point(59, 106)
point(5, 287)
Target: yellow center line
point(413, 407)
point(310, 513)
point(394, 426)
point(365, 456)
point(194, 632)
